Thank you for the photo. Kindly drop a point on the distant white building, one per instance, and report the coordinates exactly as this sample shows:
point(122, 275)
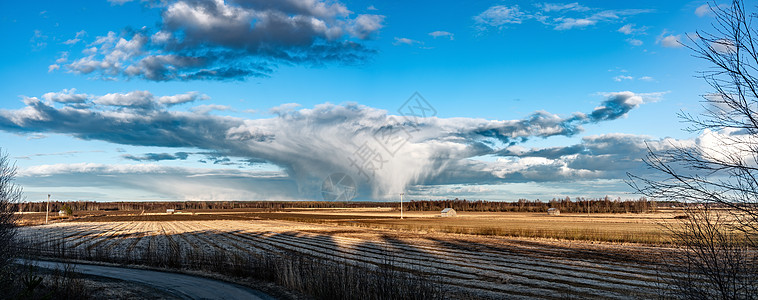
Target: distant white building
point(170, 211)
point(553, 211)
point(62, 213)
point(448, 212)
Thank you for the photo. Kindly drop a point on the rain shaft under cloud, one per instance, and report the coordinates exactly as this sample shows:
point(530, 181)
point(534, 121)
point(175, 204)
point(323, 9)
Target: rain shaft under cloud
point(309, 144)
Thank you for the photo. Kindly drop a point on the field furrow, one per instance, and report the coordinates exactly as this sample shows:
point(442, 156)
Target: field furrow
point(495, 268)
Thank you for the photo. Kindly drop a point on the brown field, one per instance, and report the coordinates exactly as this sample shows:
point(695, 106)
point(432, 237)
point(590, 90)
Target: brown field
point(489, 263)
point(464, 265)
point(635, 228)
point(37, 218)
point(620, 228)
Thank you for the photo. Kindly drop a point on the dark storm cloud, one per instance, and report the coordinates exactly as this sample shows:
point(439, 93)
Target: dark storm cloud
point(540, 124)
point(543, 124)
point(619, 104)
point(147, 125)
point(157, 156)
point(203, 39)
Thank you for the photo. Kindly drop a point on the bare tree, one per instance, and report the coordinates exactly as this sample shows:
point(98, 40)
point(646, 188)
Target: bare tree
point(720, 172)
point(724, 170)
point(712, 262)
point(10, 195)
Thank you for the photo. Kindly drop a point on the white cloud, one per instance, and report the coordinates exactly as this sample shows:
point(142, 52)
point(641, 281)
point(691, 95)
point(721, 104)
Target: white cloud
point(630, 29)
point(703, 10)
point(66, 153)
point(672, 41)
point(206, 108)
point(500, 15)
point(182, 98)
point(38, 40)
point(668, 40)
point(66, 96)
point(626, 29)
point(559, 16)
point(728, 144)
point(365, 26)
point(114, 182)
point(55, 169)
point(76, 38)
point(443, 34)
point(161, 37)
point(135, 99)
point(550, 7)
point(634, 42)
point(284, 109)
point(636, 98)
point(119, 2)
point(405, 41)
point(723, 46)
point(52, 68)
point(115, 53)
point(607, 156)
point(62, 58)
point(570, 23)
point(621, 78)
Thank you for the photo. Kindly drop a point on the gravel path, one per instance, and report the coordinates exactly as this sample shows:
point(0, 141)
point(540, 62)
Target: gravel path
point(180, 285)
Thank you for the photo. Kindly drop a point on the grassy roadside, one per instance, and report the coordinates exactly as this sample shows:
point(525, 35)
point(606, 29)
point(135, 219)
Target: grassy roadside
point(67, 283)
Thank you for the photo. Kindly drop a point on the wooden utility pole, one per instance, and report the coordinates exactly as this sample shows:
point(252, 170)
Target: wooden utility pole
point(401, 205)
point(47, 209)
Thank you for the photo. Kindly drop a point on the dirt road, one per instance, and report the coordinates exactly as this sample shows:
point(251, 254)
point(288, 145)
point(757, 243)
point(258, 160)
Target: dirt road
point(179, 285)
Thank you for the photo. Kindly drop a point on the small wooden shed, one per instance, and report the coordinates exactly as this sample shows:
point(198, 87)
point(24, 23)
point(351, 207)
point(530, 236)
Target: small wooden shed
point(553, 211)
point(448, 212)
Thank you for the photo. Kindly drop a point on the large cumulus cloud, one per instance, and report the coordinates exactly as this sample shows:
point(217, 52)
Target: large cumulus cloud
point(600, 156)
point(308, 144)
point(216, 39)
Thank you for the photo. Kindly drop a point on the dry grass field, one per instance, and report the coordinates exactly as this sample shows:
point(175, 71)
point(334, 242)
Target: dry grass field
point(634, 228)
point(621, 228)
point(488, 264)
point(37, 218)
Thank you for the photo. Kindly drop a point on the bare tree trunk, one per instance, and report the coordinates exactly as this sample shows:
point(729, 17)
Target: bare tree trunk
point(10, 195)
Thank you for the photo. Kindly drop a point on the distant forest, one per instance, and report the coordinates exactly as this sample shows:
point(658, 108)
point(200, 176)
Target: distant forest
point(578, 205)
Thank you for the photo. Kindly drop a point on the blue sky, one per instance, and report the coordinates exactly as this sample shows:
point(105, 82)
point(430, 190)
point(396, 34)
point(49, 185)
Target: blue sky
point(249, 100)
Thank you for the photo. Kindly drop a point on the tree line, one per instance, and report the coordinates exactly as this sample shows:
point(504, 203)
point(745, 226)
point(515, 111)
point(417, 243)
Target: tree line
point(578, 205)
